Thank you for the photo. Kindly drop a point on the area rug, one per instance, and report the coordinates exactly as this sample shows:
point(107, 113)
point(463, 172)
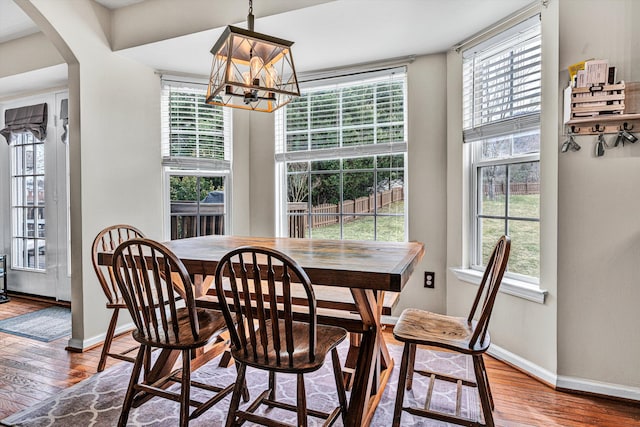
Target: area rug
point(97, 401)
point(43, 325)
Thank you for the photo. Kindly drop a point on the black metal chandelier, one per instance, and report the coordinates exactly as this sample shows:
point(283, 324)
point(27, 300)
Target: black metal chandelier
point(251, 71)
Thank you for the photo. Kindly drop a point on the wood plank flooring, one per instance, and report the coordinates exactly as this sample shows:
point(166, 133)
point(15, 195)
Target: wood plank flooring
point(31, 371)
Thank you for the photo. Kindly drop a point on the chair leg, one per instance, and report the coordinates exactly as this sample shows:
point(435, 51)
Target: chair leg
point(486, 381)
point(412, 362)
point(147, 362)
point(237, 392)
point(483, 390)
point(402, 379)
point(128, 398)
point(302, 402)
point(337, 373)
point(245, 393)
point(186, 388)
point(272, 385)
point(108, 339)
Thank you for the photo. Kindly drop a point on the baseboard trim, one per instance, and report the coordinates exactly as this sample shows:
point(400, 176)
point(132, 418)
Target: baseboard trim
point(566, 383)
point(524, 365)
point(83, 345)
point(598, 388)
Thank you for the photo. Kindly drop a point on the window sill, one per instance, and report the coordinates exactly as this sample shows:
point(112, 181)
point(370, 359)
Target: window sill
point(509, 286)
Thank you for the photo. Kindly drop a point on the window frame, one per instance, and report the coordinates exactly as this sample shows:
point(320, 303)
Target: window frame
point(341, 152)
point(478, 128)
point(14, 147)
point(475, 258)
point(195, 166)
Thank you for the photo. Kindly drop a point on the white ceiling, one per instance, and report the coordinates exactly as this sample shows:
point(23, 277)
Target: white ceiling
point(341, 32)
point(344, 32)
point(14, 23)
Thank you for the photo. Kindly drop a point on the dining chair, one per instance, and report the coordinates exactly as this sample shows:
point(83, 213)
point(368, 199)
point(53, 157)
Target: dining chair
point(459, 334)
point(108, 240)
point(271, 333)
point(159, 295)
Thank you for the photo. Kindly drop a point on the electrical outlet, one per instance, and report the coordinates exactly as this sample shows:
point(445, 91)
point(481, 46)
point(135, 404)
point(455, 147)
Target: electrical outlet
point(429, 279)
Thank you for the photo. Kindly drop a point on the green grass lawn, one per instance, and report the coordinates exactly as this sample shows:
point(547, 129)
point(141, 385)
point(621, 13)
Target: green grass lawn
point(525, 235)
point(390, 228)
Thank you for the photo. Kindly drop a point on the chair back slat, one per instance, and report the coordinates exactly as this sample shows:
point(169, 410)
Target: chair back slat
point(154, 284)
point(107, 240)
point(239, 315)
point(267, 307)
point(259, 297)
point(273, 311)
point(288, 312)
point(246, 295)
point(488, 289)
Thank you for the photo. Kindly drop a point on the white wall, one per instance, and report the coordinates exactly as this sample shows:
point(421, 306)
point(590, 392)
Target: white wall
point(240, 175)
point(115, 163)
point(261, 170)
point(426, 179)
point(599, 201)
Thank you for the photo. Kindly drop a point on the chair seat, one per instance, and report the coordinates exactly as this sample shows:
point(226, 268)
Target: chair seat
point(328, 337)
point(423, 327)
point(211, 322)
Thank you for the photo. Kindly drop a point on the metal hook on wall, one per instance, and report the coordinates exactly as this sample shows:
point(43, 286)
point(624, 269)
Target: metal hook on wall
point(570, 143)
point(625, 133)
point(601, 144)
point(597, 129)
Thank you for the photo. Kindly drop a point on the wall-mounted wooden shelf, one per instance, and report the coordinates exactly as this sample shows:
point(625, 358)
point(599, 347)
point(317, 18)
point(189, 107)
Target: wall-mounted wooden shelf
point(612, 119)
point(604, 124)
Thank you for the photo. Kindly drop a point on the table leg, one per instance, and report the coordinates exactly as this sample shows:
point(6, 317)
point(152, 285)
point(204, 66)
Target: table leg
point(374, 365)
point(351, 361)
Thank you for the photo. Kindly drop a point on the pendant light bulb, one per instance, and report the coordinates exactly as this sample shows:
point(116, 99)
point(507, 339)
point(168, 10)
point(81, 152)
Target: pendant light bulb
point(270, 76)
point(246, 78)
point(256, 64)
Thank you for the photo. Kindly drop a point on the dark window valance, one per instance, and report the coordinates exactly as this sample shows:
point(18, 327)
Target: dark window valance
point(32, 118)
point(64, 117)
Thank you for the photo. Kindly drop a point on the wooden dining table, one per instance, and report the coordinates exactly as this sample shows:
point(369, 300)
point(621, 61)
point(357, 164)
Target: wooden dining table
point(363, 269)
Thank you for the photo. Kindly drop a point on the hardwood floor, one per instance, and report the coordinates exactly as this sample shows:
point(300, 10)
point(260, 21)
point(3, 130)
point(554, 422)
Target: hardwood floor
point(31, 371)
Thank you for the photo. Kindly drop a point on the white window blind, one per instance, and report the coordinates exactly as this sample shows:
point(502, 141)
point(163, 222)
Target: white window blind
point(195, 135)
point(345, 117)
point(502, 83)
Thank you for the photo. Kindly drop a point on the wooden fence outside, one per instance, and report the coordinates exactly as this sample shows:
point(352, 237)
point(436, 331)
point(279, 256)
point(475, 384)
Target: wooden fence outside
point(515, 188)
point(185, 218)
point(329, 214)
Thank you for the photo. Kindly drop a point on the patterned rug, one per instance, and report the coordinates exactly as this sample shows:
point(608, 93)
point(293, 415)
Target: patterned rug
point(43, 325)
point(97, 401)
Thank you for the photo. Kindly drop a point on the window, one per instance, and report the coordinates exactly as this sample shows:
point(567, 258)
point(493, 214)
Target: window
point(501, 113)
point(197, 160)
point(341, 158)
point(28, 229)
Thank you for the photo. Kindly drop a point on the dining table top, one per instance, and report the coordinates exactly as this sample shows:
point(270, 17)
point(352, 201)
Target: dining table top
point(347, 263)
